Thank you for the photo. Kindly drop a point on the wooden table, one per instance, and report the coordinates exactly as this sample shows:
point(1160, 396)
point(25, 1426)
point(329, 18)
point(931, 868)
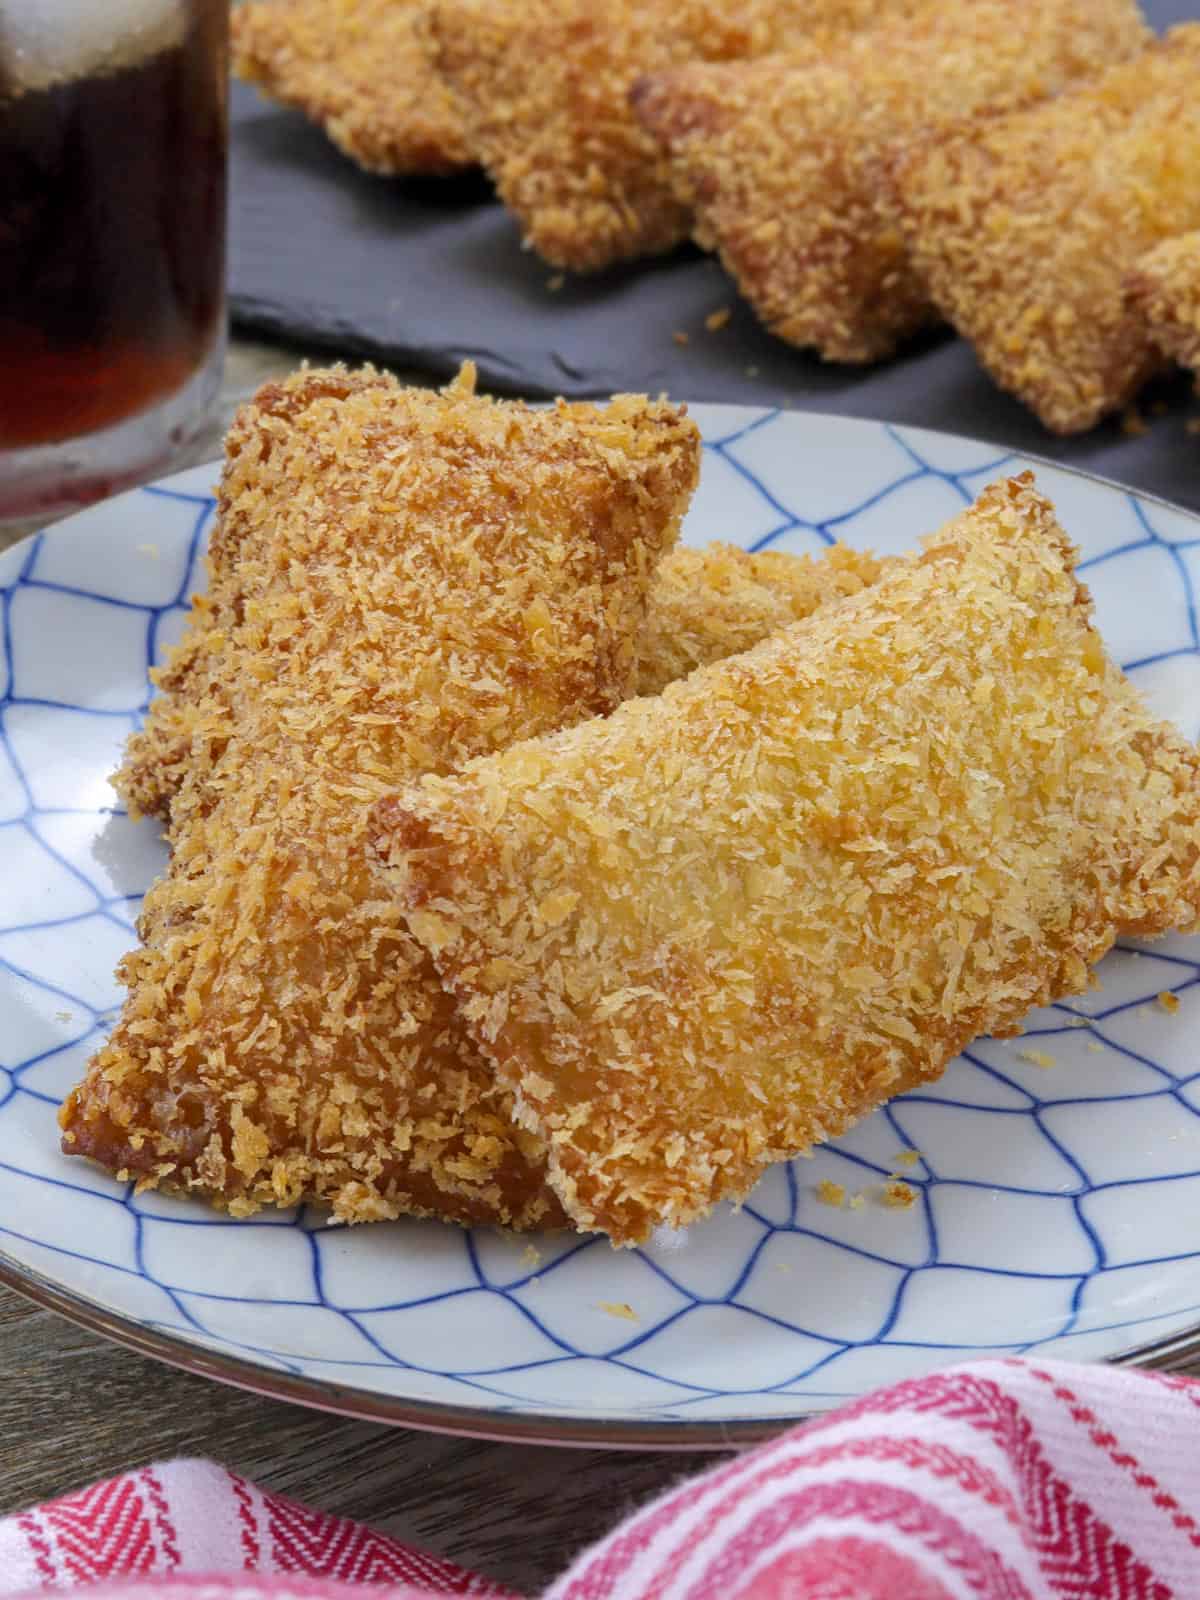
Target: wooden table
point(74, 1408)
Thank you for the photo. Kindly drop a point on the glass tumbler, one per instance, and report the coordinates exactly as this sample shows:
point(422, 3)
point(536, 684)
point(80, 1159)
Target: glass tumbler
point(113, 155)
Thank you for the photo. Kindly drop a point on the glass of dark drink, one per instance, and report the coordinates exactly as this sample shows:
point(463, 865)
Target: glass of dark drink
point(113, 146)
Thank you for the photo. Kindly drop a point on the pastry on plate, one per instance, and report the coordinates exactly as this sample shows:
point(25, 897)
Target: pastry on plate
point(703, 604)
point(719, 926)
point(420, 577)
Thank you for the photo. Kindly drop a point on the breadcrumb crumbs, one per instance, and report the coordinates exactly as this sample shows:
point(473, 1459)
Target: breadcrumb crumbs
point(531, 1256)
point(716, 320)
point(679, 336)
point(898, 1195)
point(1192, 425)
point(555, 283)
point(360, 71)
point(858, 1201)
point(1095, 1049)
point(908, 1158)
point(1165, 289)
point(1133, 424)
point(544, 87)
point(781, 157)
point(1168, 1001)
point(619, 1308)
point(1037, 1058)
point(150, 551)
point(830, 1193)
point(1025, 233)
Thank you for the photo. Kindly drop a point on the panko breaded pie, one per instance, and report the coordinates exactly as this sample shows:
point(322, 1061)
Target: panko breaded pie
point(422, 577)
point(721, 925)
point(784, 159)
point(1165, 291)
point(704, 603)
point(543, 86)
point(1025, 233)
point(358, 69)
point(713, 601)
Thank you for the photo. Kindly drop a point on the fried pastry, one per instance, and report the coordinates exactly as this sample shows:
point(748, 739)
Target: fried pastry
point(721, 925)
point(784, 159)
point(358, 69)
point(703, 604)
point(421, 577)
point(1025, 233)
point(715, 600)
point(543, 86)
point(1165, 290)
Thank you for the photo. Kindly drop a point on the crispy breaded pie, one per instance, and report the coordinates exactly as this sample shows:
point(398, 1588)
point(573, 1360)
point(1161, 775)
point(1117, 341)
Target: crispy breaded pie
point(1025, 233)
point(358, 69)
point(420, 578)
point(785, 159)
point(721, 925)
point(1165, 290)
point(543, 86)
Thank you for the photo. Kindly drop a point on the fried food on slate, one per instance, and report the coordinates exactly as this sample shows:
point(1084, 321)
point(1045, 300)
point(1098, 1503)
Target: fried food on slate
point(715, 601)
point(703, 604)
point(1025, 233)
point(720, 925)
point(784, 159)
point(1165, 291)
point(359, 70)
point(544, 85)
point(423, 577)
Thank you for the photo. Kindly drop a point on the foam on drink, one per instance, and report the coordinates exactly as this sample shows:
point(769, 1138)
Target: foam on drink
point(112, 207)
point(45, 43)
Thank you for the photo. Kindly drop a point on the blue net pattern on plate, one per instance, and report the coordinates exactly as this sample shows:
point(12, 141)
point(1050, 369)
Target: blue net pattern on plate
point(1053, 1175)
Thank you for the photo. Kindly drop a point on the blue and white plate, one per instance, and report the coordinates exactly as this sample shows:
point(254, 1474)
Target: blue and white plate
point(1057, 1186)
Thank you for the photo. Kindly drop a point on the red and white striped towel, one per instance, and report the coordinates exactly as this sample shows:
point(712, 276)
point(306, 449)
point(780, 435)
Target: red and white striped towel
point(999, 1480)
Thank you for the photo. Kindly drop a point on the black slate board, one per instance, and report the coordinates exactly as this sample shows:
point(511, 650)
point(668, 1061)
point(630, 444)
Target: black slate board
point(425, 273)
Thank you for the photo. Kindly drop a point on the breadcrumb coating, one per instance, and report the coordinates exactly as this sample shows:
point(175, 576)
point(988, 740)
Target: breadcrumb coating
point(1165, 290)
point(358, 69)
point(784, 159)
point(544, 84)
point(716, 600)
point(419, 578)
point(721, 925)
point(1025, 233)
point(704, 604)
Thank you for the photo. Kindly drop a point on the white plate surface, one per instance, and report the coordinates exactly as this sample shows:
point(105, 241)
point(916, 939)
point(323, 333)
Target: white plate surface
point(1055, 1204)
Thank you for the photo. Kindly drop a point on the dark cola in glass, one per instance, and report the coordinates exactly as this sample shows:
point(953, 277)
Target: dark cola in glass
point(113, 145)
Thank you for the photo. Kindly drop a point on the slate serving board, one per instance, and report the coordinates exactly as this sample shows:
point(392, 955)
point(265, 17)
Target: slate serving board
point(424, 273)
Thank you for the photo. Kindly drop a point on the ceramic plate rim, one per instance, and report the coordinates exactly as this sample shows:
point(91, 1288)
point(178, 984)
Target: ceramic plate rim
point(562, 1429)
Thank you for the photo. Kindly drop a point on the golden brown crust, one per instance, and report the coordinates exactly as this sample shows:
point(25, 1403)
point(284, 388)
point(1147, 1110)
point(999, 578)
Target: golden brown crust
point(544, 85)
point(402, 579)
point(784, 159)
point(715, 601)
point(1164, 288)
point(720, 925)
point(703, 604)
point(359, 70)
point(1025, 233)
